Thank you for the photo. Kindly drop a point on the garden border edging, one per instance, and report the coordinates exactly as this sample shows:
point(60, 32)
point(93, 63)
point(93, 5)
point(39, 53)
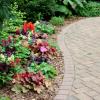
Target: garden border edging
point(65, 88)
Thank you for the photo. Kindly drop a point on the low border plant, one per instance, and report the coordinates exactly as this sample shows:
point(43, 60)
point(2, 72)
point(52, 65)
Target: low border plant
point(57, 21)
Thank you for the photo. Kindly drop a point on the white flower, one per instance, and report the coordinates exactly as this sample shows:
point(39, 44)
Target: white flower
point(2, 57)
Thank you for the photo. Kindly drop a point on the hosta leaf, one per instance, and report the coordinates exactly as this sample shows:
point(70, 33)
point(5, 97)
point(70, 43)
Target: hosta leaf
point(65, 2)
point(62, 9)
point(72, 3)
point(79, 3)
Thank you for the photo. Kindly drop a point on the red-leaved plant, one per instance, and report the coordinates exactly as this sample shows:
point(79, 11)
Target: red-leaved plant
point(29, 78)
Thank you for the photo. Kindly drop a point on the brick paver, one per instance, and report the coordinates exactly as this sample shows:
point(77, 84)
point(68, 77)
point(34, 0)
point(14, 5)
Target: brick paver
point(80, 44)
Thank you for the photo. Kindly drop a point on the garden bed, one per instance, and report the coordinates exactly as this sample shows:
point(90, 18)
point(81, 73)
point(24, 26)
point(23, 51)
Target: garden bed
point(51, 91)
point(47, 93)
point(16, 57)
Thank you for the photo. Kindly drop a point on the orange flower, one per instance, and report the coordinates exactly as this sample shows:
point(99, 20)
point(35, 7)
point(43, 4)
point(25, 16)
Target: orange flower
point(25, 27)
point(31, 26)
point(28, 26)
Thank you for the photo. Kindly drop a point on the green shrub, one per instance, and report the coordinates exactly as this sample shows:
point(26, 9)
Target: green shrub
point(37, 9)
point(4, 98)
point(57, 21)
point(4, 10)
point(91, 9)
point(45, 9)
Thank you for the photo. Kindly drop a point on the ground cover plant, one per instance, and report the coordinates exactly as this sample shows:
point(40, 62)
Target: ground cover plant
point(24, 59)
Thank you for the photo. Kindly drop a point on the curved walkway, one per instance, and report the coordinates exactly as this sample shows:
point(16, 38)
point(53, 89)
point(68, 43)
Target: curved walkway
point(80, 44)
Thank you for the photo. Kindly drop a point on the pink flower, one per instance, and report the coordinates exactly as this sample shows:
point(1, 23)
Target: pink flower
point(43, 49)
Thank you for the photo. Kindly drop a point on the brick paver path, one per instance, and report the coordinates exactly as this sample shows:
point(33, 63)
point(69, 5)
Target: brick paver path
point(80, 44)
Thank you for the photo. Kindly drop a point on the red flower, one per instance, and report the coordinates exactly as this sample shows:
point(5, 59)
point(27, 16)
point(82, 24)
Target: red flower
point(28, 26)
point(25, 27)
point(31, 26)
point(53, 49)
point(45, 44)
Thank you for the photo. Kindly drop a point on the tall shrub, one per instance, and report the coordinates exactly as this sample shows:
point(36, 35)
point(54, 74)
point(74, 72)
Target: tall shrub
point(4, 10)
point(45, 9)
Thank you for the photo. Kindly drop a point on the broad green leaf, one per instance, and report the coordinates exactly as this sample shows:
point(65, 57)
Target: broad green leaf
point(62, 9)
point(79, 3)
point(65, 2)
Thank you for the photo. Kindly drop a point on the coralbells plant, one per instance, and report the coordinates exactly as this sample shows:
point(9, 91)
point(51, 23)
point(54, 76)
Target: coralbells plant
point(24, 59)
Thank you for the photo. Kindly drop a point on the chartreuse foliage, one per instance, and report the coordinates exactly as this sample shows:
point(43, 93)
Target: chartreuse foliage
point(16, 19)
